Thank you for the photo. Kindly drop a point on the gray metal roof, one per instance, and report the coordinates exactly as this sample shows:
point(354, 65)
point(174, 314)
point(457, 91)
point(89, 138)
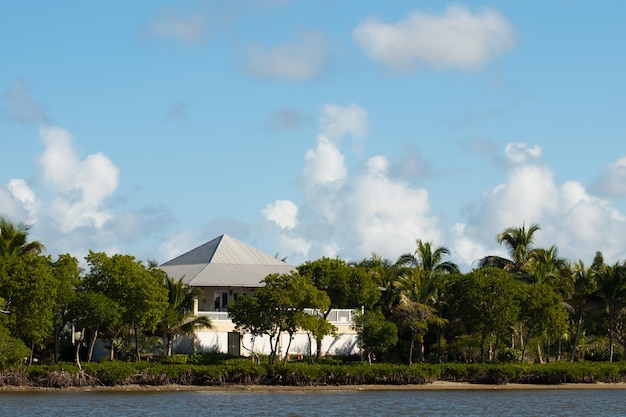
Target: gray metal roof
point(224, 262)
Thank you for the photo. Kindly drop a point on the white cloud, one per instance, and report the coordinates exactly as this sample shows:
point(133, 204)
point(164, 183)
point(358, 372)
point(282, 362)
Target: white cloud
point(282, 212)
point(576, 222)
point(21, 107)
point(354, 215)
point(457, 39)
point(300, 60)
point(68, 203)
point(82, 185)
point(24, 195)
point(187, 28)
point(612, 181)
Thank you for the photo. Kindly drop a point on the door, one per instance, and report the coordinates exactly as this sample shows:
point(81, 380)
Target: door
point(234, 343)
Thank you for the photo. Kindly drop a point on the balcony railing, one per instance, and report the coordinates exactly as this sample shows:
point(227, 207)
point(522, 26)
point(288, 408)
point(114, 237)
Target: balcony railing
point(336, 316)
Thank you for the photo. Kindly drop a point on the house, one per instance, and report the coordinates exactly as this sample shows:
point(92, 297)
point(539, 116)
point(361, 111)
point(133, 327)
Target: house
point(226, 268)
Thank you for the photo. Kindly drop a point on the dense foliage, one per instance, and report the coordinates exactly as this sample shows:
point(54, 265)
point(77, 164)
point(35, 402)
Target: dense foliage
point(333, 373)
point(534, 307)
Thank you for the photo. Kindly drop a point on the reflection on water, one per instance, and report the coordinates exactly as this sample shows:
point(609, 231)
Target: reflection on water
point(551, 402)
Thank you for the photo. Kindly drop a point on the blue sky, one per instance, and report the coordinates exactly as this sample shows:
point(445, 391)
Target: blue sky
point(312, 128)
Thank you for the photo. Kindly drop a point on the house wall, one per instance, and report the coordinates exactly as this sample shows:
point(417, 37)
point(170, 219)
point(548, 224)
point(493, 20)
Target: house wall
point(302, 344)
point(216, 338)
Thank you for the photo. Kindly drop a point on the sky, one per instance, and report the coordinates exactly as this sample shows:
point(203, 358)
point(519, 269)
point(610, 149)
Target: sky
point(314, 128)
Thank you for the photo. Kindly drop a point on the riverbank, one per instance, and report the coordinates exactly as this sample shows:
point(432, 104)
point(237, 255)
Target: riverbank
point(433, 386)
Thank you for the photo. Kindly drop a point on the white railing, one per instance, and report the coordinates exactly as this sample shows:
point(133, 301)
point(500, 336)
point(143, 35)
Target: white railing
point(215, 315)
point(336, 316)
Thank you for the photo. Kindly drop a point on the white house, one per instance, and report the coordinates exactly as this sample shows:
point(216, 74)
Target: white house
point(224, 269)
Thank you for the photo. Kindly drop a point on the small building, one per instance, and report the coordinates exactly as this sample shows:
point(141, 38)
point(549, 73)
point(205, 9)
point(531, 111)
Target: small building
point(224, 269)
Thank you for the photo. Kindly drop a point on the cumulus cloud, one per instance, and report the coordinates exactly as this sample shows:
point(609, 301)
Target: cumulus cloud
point(299, 60)
point(189, 28)
point(570, 217)
point(612, 181)
point(22, 192)
point(21, 107)
point(282, 212)
point(82, 185)
point(353, 214)
point(457, 39)
point(69, 203)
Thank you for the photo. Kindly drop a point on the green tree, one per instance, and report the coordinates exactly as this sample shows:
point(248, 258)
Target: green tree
point(542, 314)
point(279, 306)
point(375, 333)
point(422, 281)
point(486, 302)
point(611, 290)
point(12, 350)
point(67, 273)
point(384, 274)
point(137, 289)
point(579, 299)
point(94, 313)
point(29, 288)
point(14, 239)
point(430, 260)
point(178, 318)
point(519, 243)
point(346, 286)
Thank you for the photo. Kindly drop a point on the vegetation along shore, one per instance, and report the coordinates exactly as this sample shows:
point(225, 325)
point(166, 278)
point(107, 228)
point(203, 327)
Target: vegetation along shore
point(531, 318)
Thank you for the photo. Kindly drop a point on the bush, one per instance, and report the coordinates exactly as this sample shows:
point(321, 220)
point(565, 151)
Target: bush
point(13, 351)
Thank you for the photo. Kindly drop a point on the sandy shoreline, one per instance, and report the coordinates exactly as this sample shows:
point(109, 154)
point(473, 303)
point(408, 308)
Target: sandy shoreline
point(434, 386)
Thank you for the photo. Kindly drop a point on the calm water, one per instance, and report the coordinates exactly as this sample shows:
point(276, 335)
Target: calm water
point(576, 402)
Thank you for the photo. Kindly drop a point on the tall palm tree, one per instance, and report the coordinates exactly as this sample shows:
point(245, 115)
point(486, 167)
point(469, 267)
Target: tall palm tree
point(519, 243)
point(578, 298)
point(421, 285)
point(429, 260)
point(179, 318)
point(14, 239)
point(611, 289)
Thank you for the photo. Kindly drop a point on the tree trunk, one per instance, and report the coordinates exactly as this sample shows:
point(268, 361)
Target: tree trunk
point(32, 353)
point(137, 343)
point(78, 343)
point(287, 350)
point(92, 345)
point(482, 348)
point(539, 357)
point(610, 335)
point(411, 351)
point(576, 338)
point(169, 345)
point(57, 343)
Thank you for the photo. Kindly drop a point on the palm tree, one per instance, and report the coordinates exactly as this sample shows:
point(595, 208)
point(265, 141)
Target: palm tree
point(421, 284)
point(545, 266)
point(14, 239)
point(578, 298)
point(385, 274)
point(179, 318)
point(429, 260)
point(519, 243)
point(611, 289)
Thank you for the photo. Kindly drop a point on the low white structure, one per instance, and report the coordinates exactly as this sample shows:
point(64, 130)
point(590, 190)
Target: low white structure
point(224, 269)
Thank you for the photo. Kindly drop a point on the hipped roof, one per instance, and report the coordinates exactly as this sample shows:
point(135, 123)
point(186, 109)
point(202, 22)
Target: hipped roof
point(224, 262)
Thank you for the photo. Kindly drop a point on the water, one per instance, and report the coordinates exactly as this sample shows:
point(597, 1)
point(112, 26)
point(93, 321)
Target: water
point(548, 402)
